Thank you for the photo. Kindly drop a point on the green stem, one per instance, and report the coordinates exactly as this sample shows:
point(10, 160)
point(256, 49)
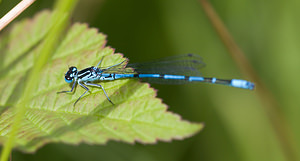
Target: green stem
point(271, 106)
point(59, 20)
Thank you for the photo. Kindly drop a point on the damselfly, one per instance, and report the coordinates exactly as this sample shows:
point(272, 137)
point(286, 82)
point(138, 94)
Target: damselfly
point(171, 70)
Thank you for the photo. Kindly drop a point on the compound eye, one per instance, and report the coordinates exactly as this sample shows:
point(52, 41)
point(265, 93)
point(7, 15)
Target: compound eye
point(68, 79)
point(69, 76)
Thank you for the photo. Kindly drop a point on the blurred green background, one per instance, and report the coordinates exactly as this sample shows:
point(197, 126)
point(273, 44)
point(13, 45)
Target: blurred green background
point(237, 126)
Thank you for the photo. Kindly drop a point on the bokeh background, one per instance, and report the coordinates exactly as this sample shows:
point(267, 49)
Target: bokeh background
point(237, 126)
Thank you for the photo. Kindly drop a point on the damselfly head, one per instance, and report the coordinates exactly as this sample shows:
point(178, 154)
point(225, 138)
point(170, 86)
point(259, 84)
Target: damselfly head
point(70, 75)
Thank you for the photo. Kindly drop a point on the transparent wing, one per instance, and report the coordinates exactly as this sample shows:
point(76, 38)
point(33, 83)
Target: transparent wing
point(187, 64)
point(120, 69)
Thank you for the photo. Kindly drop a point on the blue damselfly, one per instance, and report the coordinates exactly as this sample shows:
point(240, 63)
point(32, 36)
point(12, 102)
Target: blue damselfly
point(171, 70)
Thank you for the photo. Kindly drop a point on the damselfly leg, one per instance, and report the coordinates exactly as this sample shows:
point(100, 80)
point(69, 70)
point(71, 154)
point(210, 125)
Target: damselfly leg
point(85, 87)
point(100, 62)
point(73, 86)
point(98, 85)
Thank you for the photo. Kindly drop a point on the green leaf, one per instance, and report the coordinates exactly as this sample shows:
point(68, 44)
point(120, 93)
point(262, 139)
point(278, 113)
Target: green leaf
point(50, 117)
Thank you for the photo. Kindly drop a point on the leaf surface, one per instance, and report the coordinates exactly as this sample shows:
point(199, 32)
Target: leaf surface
point(50, 117)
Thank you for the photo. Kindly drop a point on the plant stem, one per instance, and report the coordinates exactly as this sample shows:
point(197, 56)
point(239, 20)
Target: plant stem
point(271, 107)
point(59, 20)
point(13, 13)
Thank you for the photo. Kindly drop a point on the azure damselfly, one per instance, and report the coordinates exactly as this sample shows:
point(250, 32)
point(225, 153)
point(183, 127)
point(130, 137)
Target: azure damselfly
point(171, 70)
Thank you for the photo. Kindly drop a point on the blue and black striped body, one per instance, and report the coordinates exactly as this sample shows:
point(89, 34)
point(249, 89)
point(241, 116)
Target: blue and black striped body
point(172, 70)
point(89, 74)
point(96, 74)
point(233, 82)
